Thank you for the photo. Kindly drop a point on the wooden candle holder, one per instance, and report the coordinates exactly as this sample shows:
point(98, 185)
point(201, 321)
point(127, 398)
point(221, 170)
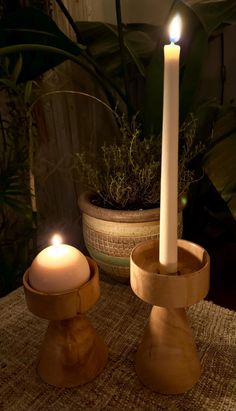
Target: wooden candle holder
point(167, 360)
point(72, 353)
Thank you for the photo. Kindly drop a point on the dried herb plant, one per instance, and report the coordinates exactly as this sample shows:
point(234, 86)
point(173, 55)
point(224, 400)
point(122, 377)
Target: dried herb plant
point(127, 175)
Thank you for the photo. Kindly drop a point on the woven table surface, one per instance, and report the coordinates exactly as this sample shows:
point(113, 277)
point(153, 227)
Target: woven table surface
point(119, 317)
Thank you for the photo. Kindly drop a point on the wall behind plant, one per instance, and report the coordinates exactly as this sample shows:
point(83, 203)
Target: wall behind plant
point(67, 123)
point(133, 11)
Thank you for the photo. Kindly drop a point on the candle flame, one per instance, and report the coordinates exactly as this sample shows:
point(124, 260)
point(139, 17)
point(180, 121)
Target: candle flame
point(175, 29)
point(56, 240)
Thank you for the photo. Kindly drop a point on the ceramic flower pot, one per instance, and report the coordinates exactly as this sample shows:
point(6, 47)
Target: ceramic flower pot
point(110, 235)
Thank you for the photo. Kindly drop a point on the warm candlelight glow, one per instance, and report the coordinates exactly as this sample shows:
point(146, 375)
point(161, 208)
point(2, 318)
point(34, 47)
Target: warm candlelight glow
point(56, 240)
point(57, 249)
point(175, 29)
point(58, 268)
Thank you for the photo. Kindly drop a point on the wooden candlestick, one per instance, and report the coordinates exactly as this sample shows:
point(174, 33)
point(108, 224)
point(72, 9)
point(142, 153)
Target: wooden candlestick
point(167, 360)
point(72, 353)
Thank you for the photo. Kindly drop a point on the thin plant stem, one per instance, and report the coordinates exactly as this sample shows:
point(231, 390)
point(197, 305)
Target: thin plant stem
point(31, 141)
point(122, 52)
point(3, 136)
point(81, 93)
point(70, 20)
point(86, 53)
point(223, 68)
point(31, 160)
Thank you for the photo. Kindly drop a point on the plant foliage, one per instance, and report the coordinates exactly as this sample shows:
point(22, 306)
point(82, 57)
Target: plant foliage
point(17, 228)
point(42, 44)
point(127, 175)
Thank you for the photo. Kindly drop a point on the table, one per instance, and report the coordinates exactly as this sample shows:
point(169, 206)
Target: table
point(119, 316)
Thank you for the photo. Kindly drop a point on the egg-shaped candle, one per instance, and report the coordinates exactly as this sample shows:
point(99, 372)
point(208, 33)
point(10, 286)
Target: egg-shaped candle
point(59, 267)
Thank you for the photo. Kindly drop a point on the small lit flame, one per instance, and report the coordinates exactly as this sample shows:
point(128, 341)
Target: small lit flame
point(175, 29)
point(56, 240)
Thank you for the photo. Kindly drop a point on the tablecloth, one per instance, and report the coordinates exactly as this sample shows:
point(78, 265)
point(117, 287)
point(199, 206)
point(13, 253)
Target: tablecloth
point(119, 316)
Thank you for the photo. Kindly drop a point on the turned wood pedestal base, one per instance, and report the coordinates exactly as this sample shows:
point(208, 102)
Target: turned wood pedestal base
point(72, 353)
point(167, 360)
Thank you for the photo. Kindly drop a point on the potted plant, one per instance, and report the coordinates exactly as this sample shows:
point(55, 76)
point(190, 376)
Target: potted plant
point(121, 207)
point(96, 50)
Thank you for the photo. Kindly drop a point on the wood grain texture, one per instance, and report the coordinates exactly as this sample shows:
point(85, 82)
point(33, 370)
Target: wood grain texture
point(72, 353)
point(64, 305)
point(167, 360)
point(188, 286)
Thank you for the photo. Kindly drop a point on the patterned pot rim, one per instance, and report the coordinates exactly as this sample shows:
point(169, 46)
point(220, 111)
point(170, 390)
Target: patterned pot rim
point(108, 214)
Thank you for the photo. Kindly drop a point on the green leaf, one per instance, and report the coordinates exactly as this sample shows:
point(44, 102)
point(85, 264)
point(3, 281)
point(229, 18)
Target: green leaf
point(220, 166)
point(103, 43)
point(137, 44)
point(15, 204)
point(28, 26)
point(99, 38)
point(8, 83)
point(28, 91)
point(17, 69)
point(213, 13)
point(225, 124)
point(206, 114)
point(140, 40)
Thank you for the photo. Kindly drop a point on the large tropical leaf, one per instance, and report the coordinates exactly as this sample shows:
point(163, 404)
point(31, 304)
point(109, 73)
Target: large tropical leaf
point(225, 123)
point(214, 13)
point(193, 48)
point(216, 129)
point(102, 40)
point(220, 166)
point(206, 114)
point(34, 34)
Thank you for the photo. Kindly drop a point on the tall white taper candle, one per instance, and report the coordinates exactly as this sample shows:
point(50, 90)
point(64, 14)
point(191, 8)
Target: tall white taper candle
point(169, 162)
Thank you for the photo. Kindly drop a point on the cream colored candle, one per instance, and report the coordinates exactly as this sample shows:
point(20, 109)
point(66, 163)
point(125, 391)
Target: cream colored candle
point(169, 161)
point(58, 268)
